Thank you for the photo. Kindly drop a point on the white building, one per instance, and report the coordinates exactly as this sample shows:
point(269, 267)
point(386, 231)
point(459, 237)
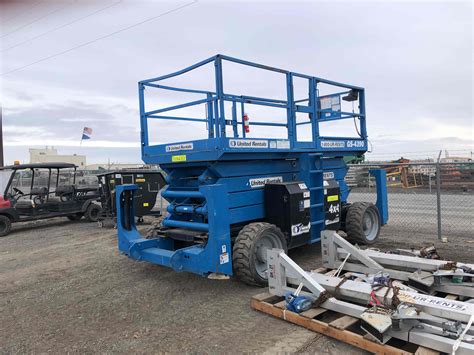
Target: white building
point(50, 155)
point(114, 166)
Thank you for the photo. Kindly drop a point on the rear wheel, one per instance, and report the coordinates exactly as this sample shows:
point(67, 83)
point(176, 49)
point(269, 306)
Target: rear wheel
point(5, 225)
point(93, 212)
point(74, 217)
point(363, 222)
point(249, 254)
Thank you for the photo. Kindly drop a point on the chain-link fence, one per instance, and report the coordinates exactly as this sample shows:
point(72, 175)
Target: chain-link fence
point(429, 198)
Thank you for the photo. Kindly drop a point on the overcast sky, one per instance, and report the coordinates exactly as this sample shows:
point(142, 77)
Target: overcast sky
point(414, 59)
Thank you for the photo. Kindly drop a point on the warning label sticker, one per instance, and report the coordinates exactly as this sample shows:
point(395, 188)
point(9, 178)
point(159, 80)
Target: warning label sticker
point(328, 175)
point(224, 258)
point(283, 144)
point(280, 144)
point(178, 158)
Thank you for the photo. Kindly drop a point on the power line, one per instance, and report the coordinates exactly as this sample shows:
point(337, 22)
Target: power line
point(38, 19)
point(100, 38)
point(62, 26)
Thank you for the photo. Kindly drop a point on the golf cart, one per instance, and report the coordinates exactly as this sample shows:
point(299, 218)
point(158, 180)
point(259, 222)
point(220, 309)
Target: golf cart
point(44, 190)
point(149, 183)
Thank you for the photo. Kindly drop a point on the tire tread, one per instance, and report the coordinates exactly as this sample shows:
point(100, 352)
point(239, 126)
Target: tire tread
point(242, 250)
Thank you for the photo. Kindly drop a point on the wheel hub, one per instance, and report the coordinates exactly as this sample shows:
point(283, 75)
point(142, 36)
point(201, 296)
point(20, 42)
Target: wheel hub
point(266, 242)
point(369, 224)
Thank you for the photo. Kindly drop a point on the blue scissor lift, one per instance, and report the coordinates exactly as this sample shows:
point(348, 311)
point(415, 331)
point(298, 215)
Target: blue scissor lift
point(217, 220)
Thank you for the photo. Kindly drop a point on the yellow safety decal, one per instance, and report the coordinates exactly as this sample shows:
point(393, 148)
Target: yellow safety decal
point(333, 198)
point(146, 204)
point(178, 158)
point(139, 180)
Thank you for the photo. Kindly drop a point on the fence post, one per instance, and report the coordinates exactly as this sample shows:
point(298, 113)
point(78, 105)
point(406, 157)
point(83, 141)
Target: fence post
point(438, 194)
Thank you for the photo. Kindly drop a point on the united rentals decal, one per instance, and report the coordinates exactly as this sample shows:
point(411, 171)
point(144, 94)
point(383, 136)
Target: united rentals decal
point(260, 182)
point(248, 143)
point(177, 147)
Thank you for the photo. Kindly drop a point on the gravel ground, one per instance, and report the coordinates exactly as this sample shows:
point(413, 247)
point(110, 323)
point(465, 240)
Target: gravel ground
point(64, 288)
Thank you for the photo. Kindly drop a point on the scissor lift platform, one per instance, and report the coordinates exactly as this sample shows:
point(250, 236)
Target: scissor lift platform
point(216, 185)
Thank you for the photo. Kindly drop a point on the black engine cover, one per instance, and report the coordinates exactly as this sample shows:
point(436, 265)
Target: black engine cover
point(287, 205)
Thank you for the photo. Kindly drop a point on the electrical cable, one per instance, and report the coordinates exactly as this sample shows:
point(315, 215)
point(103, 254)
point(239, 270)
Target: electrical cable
point(100, 38)
point(62, 26)
point(38, 19)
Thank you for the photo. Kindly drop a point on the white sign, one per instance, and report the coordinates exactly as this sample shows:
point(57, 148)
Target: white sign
point(439, 302)
point(333, 144)
point(306, 194)
point(302, 186)
point(300, 228)
point(355, 144)
point(283, 144)
point(328, 175)
point(260, 182)
point(177, 147)
point(306, 204)
point(325, 103)
point(248, 143)
point(224, 258)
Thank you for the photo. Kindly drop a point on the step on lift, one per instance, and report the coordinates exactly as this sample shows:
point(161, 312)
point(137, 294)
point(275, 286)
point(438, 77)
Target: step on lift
point(238, 192)
point(388, 308)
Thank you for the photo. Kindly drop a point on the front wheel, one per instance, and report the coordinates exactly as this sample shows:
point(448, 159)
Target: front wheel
point(363, 222)
point(5, 225)
point(93, 212)
point(249, 254)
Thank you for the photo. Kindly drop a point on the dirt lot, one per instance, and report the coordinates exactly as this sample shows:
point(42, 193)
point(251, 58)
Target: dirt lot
point(65, 288)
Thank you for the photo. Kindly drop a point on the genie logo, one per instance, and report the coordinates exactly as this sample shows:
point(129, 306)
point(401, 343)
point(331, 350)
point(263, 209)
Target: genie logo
point(300, 228)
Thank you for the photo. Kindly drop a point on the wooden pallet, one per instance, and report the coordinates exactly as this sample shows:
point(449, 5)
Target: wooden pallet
point(335, 325)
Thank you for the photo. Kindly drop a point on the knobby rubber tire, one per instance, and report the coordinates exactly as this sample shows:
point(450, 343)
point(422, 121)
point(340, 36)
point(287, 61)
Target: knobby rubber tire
point(5, 225)
point(93, 212)
point(244, 251)
point(354, 222)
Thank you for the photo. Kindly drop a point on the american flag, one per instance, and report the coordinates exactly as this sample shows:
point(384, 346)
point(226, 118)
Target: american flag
point(86, 133)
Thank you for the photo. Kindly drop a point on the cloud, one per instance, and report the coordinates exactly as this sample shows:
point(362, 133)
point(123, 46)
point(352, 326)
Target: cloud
point(417, 73)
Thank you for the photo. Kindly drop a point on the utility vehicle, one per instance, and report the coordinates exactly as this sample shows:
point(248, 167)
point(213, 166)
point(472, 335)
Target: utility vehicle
point(45, 190)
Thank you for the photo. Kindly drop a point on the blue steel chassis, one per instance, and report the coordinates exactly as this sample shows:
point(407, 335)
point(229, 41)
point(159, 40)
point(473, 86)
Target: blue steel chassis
point(215, 185)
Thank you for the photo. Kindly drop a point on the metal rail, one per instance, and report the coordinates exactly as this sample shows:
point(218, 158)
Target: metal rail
point(216, 97)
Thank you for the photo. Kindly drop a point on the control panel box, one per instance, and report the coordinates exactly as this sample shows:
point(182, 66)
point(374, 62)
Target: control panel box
point(287, 205)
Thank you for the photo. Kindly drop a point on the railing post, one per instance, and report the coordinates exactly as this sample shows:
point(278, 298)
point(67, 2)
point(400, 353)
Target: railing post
point(313, 115)
point(363, 125)
point(143, 118)
point(220, 120)
point(210, 117)
point(290, 110)
point(438, 195)
point(242, 112)
point(234, 119)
